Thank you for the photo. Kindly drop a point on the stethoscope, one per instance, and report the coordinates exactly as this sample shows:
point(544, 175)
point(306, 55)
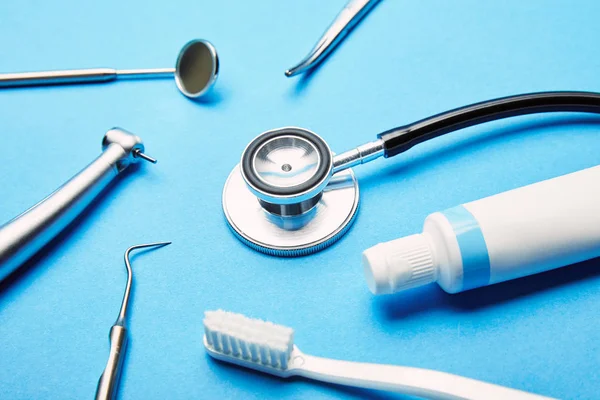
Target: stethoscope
point(290, 195)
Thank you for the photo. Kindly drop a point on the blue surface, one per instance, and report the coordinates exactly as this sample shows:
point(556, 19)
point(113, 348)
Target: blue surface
point(473, 249)
point(405, 61)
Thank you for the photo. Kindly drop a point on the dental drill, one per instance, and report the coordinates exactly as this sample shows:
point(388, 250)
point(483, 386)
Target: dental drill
point(26, 234)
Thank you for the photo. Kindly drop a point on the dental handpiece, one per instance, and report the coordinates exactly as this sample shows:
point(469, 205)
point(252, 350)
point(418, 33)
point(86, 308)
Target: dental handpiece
point(26, 234)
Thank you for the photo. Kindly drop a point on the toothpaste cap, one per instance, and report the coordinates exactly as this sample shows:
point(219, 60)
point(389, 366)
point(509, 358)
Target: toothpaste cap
point(399, 264)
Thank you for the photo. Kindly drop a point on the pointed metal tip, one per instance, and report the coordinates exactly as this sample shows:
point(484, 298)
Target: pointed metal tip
point(157, 244)
point(141, 246)
point(294, 71)
point(138, 153)
point(353, 12)
point(125, 302)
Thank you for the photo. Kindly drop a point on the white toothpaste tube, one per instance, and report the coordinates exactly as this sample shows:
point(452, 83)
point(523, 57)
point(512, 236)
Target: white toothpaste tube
point(521, 232)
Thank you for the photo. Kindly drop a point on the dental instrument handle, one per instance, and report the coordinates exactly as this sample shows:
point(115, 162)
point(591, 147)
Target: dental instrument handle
point(26, 234)
point(109, 380)
point(95, 75)
point(400, 139)
point(346, 20)
point(524, 231)
point(406, 380)
point(44, 78)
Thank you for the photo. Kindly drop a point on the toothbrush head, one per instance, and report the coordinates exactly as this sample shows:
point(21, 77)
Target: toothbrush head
point(248, 342)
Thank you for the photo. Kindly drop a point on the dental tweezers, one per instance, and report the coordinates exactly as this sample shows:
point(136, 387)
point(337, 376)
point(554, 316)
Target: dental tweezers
point(346, 20)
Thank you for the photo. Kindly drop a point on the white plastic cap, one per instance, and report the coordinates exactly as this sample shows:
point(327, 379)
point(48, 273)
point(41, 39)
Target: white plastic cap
point(399, 264)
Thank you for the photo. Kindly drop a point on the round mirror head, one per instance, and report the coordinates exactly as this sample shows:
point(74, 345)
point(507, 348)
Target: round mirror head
point(197, 68)
point(287, 165)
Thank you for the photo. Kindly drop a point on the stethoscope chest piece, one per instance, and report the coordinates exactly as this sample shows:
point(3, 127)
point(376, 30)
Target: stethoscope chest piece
point(282, 198)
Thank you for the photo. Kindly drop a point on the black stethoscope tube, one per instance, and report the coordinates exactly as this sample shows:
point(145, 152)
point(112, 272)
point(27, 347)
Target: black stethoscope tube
point(398, 140)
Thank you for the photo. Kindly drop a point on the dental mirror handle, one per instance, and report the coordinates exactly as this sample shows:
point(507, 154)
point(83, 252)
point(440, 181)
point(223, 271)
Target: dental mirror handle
point(26, 234)
point(109, 380)
point(95, 75)
point(398, 140)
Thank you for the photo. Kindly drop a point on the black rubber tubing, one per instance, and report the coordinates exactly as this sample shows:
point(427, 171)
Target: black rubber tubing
point(400, 139)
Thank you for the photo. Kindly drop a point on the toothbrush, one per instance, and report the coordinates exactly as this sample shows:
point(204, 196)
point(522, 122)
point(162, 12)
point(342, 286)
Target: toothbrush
point(269, 348)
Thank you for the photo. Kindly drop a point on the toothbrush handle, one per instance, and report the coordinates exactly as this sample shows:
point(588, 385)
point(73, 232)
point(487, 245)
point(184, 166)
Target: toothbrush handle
point(407, 380)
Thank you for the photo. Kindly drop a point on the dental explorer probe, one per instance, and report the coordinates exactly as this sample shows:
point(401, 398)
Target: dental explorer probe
point(27, 233)
point(196, 71)
point(109, 380)
point(346, 20)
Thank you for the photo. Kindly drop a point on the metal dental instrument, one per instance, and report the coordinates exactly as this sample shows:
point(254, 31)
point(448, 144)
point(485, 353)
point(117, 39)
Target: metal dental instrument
point(346, 20)
point(196, 71)
point(26, 234)
point(290, 195)
point(109, 380)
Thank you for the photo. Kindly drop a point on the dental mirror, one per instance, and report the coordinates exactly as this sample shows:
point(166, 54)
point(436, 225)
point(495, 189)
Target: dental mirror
point(196, 71)
point(197, 68)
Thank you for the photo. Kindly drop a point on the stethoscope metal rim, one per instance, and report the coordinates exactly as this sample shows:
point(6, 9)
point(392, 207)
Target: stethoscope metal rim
point(328, 220)
point(289, 194)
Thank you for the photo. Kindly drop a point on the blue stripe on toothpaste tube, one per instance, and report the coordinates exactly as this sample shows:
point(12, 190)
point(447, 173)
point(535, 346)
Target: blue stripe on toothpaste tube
point(520, 232)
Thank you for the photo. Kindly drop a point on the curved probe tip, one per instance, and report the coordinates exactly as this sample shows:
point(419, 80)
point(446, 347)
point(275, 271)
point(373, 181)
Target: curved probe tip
point(125, 302)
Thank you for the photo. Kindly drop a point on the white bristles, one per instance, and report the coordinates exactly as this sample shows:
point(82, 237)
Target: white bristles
point(249, 339)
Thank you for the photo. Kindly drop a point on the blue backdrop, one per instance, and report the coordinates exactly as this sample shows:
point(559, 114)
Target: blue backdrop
point(405, 61)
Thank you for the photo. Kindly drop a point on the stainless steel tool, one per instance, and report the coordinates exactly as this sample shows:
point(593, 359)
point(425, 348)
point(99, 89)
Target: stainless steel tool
point(26, 234)
point(196, 71)
point(346, 20)
point(109, 380)
point(290, 195)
